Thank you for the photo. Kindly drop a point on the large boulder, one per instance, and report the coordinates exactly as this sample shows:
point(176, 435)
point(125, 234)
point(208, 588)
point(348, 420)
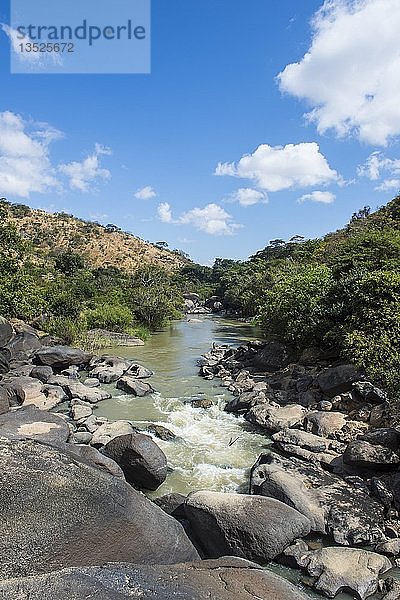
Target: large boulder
point(335, 380)
point(6, 332)
point(388, 437)
point(133, 386)
point(4, 401)
point(144, 464)
point(5, 357)
point(273, 356)
point(57, 511)
point(108, 369)
point(251, 527)
point(346, 568)
point(76, 389)
point(61, 357)
point(333, 506)
point(23, 345)
point(274, 417)
point(223, 579)
point(361, 453)
point(28, 422)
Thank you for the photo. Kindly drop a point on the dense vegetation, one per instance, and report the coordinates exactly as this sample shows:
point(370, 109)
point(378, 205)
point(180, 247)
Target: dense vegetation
point(340, 293)
point(65, 296)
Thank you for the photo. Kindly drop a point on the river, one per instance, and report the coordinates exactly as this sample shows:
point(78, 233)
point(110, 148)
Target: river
point(213, 450)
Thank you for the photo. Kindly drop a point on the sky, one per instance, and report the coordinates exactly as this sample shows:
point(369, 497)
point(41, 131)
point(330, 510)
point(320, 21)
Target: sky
point(259, 120)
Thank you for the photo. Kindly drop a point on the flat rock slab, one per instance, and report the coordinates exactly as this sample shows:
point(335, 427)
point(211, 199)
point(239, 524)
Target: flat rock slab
point(29, 422)
point(133, 386)
point(61, 357)
point(108, 431)
point(275, 418)
point(251, 527)
point(57, 511)
point(224, 579)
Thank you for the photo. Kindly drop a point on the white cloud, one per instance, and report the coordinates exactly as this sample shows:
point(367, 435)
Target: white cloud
point(351, 73)
point(248, 197)
point(164, 212)
point(145, 193)
point(318, 196)
point(378, 166)
point(276, 168)
point(82, 175)
point(33, 58)
point(212, 219)
point(25, 166)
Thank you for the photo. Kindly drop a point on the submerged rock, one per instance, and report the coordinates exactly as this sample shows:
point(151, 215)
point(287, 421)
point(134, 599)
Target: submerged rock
point(144, 464)
point(56, 511)
point(223, 579)
point(251, 527)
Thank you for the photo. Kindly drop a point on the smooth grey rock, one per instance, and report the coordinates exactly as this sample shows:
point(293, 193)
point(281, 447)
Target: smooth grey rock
point(43, 373)
point(135, 387)
point(245, 401)
point(173, 504)
point(108, 369)
point(163, 433)
point(78, 515)
point(224, 579)
point(333, 506)
point(28, 422)
point(144, 464)
point(6, 332)
point(273, 356)
point(79, 412)
point(76, 389)
point(108, 431)
point(61, 357)
point(91, 382)
point(94, 458)
point(251, 527)
point(274, 417)
point(23, 345)
point(138, 372)
point(81, 437)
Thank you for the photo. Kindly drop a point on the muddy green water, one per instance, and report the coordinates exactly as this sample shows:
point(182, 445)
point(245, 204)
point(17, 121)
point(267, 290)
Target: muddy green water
point(201, 456)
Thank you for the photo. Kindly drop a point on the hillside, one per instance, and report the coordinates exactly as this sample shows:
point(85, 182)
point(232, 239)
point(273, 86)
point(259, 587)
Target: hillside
point(101, 246)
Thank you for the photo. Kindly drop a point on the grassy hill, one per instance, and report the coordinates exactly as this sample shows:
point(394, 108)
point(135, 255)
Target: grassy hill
point(51, 234)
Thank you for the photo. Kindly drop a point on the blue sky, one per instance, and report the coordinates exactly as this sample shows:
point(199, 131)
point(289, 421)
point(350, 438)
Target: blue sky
point(86, 144)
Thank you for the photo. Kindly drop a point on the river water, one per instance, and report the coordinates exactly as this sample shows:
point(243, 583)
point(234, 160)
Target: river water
point(213, 449)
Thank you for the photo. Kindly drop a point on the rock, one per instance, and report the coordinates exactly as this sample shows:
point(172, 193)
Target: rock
point(29, 391)
point(23, 345)
point(80, 413)
point(54, 394)
point(335, 380)
point(114, 339)
point(387, 437)
point(76, 389)
point(91, 382)
point(306, 440)
point(5, 357)
point(391, 589)
point(129, 385)
point(362, 454)
point(223, 579)
point(81, 437)
point(245, 401)
point(188, 305)
point(4, 401)
point(274, 417)
point(144, 464)
point(325, 405)
point(71, 372)
point(201, 403)
point(138, 372)
point(108, 369)
point(78, 515)
point(273, 356)
point(251, 527)
point(342, 568)
point(172, 504)
point(390, 548)
point(369, 393)
point(6, 332)
point(28, 422)
point(333, 506)
point(325, 424)
point(161, 432)
point(61, 357)
point(42, 373)
point(94, 458)
point(108, 431)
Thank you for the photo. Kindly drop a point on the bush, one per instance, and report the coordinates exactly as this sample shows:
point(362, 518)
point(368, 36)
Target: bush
point(112, 317)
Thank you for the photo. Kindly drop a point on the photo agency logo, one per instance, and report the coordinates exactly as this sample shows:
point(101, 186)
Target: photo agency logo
point(79, 36)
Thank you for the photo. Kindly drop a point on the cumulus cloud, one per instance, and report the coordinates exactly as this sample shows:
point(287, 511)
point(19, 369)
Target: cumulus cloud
point(25, 166)
point(318, 196)
point(248, 197)
point(378, 166)
point(212, 219)
point(145, 193)
point(351, 73)
point(388, 185)
point(164, 212)
point(83, 175)
point(275, 168)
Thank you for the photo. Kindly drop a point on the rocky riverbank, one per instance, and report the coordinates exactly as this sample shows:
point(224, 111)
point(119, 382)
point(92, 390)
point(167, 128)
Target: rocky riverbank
point(334, 460)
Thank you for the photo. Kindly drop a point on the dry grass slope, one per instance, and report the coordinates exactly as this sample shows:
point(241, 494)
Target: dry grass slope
point(54, 233)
